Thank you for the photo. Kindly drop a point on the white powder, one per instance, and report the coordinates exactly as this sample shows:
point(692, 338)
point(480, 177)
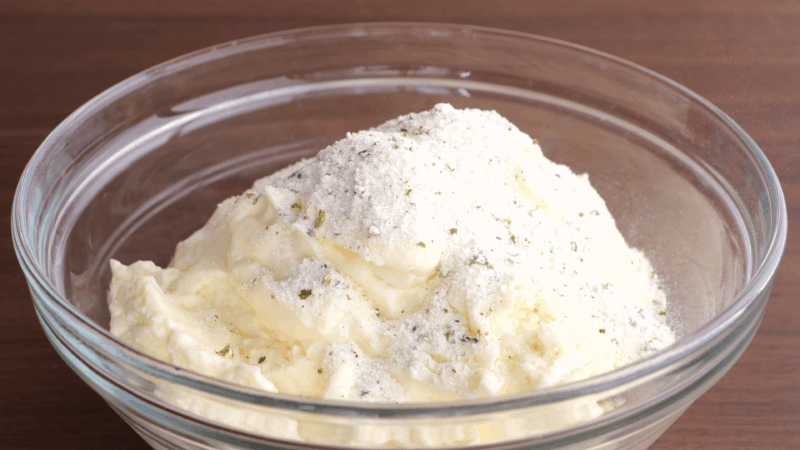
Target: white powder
point(437, 256)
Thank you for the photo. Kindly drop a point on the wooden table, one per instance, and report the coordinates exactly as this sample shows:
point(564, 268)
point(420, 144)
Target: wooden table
point(744, 56)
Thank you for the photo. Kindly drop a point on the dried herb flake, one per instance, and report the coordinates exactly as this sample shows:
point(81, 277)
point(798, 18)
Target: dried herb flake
point(320, 219)
point(225, 350)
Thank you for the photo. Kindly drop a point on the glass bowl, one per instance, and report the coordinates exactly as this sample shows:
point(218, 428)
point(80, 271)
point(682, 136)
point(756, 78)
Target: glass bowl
point(138, 168)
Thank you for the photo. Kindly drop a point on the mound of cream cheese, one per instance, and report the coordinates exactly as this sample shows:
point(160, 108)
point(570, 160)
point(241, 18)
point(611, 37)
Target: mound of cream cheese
point(438, 256)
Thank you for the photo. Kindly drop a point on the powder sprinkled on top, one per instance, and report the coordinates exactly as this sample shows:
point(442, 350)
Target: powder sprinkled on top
point(437, 256)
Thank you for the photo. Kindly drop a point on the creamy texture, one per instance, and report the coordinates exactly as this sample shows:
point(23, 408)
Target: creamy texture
point(438, 256)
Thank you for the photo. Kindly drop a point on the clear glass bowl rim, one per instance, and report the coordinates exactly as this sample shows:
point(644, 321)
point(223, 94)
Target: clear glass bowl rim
point(763, 273)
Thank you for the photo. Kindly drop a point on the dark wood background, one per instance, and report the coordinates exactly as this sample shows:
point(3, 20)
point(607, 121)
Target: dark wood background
point(742, 55)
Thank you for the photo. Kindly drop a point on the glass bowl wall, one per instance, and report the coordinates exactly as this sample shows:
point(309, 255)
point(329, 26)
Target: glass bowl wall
point(144, 164)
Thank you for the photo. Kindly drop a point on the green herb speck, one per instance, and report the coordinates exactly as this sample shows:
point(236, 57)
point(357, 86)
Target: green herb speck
point(262, 359)
point(305, 293)
point(453, 230)
point(662, 313)
point(319, 371)
point(421, 244)
point(320, 219)
point(225, 350)
point(602, 331)
point(298, 205)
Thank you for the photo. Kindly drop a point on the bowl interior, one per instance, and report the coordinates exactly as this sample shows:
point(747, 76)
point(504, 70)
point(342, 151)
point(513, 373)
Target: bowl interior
point(144, 168)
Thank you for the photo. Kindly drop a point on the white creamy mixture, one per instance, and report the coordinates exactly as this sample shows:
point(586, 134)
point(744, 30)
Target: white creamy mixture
point(437, 256)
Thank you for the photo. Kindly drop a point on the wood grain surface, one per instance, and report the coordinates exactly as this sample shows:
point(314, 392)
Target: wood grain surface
point(744, 56)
